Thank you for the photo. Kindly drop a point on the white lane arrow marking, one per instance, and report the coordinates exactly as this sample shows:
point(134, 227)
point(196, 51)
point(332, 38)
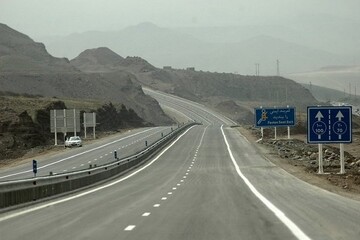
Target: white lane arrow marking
point(319, 116)
point(339, 115)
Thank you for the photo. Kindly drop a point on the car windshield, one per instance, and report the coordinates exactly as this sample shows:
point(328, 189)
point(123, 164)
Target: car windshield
point(74, 138)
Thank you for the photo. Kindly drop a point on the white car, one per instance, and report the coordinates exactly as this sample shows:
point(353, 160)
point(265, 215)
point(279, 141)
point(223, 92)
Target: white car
point(73, 141)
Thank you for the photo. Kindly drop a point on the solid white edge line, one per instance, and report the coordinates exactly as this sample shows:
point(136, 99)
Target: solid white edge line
point(95, 189)
point(79, 154)
point(295, 230)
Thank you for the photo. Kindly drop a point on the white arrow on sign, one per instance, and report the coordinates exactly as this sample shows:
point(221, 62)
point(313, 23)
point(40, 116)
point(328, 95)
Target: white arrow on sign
point(319, 116)
point(339, 116)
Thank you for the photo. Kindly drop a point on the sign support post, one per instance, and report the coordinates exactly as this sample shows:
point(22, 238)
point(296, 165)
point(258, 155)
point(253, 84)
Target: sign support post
point(74, 122)
point(275, 132)
point(321, 165)
point(342, 161)
point(56, 143)
point(84, 125)
point(288, 128)
point(94, 124)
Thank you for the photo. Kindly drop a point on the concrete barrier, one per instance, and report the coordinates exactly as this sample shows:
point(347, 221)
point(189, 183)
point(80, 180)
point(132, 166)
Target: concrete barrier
point(17, 192)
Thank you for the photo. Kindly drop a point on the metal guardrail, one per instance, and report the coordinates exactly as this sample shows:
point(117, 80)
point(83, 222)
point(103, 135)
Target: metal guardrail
point(17, 192)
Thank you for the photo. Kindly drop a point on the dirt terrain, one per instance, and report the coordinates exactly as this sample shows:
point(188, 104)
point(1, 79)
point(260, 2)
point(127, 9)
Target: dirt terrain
point(301, 160)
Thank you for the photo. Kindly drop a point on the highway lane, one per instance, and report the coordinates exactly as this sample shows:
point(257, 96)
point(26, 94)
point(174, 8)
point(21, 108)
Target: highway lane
point(210, 184)
point(96, 153)
point(191, 192)
point(195, 111)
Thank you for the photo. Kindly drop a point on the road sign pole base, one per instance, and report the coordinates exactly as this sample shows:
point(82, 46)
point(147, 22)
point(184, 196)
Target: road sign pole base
point(321, 167)
point(342, 160)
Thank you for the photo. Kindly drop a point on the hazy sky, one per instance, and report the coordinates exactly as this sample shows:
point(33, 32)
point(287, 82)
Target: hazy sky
point(61, 17)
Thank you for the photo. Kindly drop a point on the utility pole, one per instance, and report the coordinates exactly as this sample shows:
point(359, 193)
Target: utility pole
point(257, 69)
point(349, 90)
point(355, 90)
point(277, 67)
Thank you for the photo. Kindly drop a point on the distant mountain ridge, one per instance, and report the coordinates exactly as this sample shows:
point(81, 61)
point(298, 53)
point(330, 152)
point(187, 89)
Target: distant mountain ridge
point(163, 46)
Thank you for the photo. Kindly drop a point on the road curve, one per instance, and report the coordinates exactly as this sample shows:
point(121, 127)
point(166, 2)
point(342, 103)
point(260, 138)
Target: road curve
point(211, 183)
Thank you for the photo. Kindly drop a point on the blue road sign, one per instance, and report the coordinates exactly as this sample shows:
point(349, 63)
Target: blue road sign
point(274, 117)
point(329, 124)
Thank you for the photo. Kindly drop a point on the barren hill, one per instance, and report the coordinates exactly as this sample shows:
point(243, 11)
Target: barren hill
point(103, 59)
point(26, 67)
point(20, 54)
point(214, 88)
point(222, 91)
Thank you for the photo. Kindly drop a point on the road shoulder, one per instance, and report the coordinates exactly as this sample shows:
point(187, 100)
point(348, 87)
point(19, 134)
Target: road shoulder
point(321, 181)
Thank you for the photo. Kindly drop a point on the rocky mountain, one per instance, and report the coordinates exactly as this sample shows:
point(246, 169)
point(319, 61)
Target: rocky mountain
point(103, 59)
point(214, 88)
point(232, 94)
point(20, 54)
point(26, 67)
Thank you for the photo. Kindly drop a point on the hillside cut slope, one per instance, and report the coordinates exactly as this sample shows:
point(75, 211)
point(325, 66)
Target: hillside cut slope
point(26, 67)
point(222, 91)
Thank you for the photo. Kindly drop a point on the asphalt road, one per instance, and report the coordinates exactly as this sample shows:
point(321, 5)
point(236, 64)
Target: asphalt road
point(78, 158)
point(211, 183)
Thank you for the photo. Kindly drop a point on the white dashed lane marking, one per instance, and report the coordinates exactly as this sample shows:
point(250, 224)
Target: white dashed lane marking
point(129, 228)
point(157, 205)
point(145, 214)
point(164, 198)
